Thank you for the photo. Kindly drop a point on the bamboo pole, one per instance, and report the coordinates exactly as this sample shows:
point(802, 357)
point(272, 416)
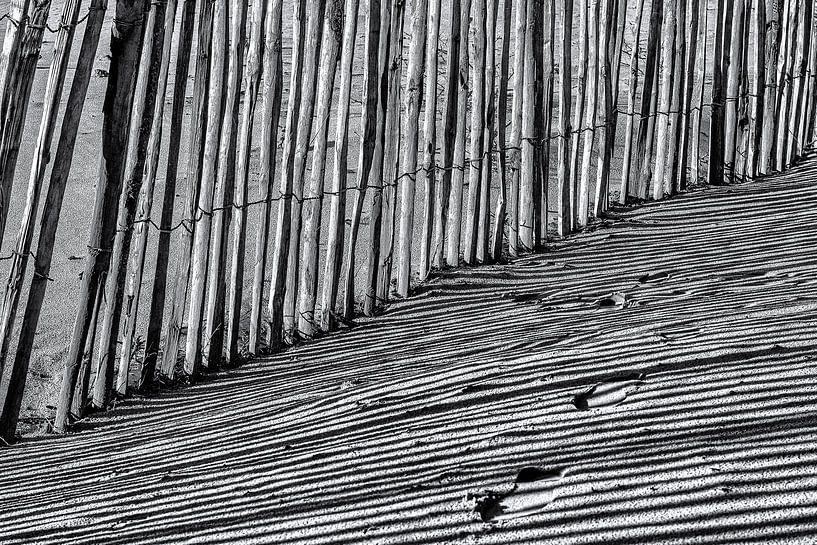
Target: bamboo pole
point(198, 128)
point(48, 230)
point(252, 83)
point(143, 215)
point(449, 133)
point(427, 175)
point(452, 254)
point(411, 103)
point(314, 17)
point(280, 253)
point(590, 113)
point(334, 30)
point(337, 195)
point(520, 24)
point(12, 383)
point(476, 164)
point(201, 235)
point(632, 85)
point(565, 213)
point(214, 313)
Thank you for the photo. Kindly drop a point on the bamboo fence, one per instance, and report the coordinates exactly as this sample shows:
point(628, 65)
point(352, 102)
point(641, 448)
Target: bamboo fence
point(479, 138)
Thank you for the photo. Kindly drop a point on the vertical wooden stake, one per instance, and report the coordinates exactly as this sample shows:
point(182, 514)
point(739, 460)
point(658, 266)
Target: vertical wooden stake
point(143, 215)
point(716, 135)
point(649, 103)
point(384, 191)
point(378, 121)
point(665, 98)
point(201, 237)
point(252, 83)
point(313, 35)
point(126, 40)
point(449, 133)
point(608, 91)
point(141, 121)
point(772, 51)
point(48, 228)
point(688, 90)
point(280, 253)
point(472, 213)
point(700, 88)
point(589, 127)
point(581, 102)
point(427, 175)
point(520, 24)
point(486, 176)
point(525, 218)
point(632, 84)
point(12, 382)
point(334, 29)
point(42, 153)
point(564, 173)
point(174, 325)
point(452, 255)
point(412, 100)
point(18, 63)
point(732, 91)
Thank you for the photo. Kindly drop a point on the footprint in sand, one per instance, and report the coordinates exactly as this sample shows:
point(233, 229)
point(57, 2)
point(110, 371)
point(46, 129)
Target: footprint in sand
point(653, 277)
point(534, 489)
point(609, 393)
point(522, 297)
point(614, 300)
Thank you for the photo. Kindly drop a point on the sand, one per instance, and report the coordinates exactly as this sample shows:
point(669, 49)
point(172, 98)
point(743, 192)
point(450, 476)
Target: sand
point(394, 431)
